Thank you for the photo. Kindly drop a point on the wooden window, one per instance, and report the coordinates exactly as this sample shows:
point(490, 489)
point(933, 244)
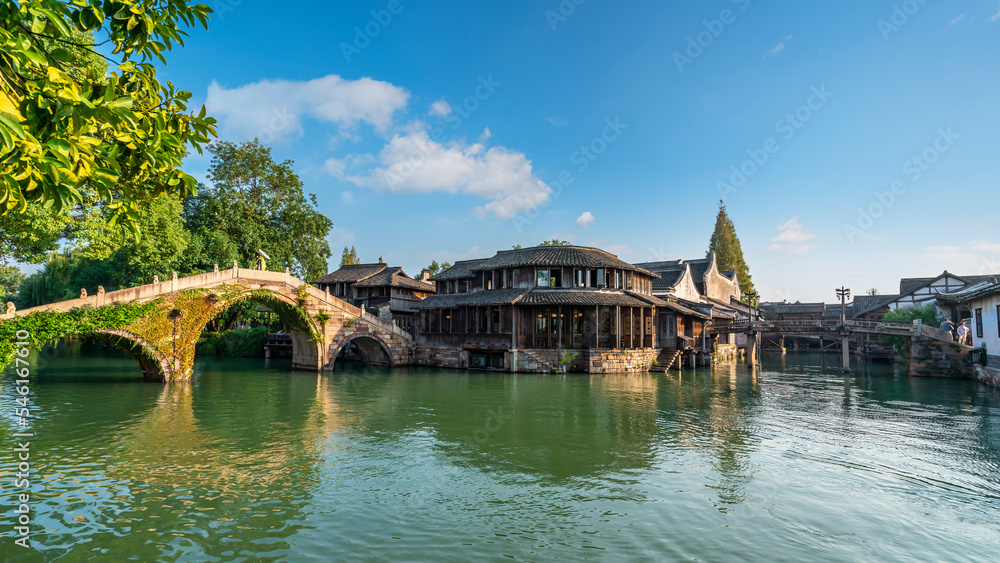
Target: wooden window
point(435, 320)
point(541, 328)
point(555, 277)
point(580, 277)
point(463, 286)
point(542, 277)
point(514, 275)
point(484, 325)
point(495, 317)
point(600, 278)
point(470, 319)
point(487, 280)
point(979, 323)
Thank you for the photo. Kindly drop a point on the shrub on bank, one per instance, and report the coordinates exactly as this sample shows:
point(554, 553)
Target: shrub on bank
point(242, 343)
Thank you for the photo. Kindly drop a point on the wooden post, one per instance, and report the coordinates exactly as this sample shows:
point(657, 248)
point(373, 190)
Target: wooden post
point(752, 350)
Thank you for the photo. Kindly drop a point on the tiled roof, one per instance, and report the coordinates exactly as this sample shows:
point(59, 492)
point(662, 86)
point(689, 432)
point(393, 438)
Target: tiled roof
point(668, 278)
point(868, 303)
point(983, 288)
point(833, 312)
point(575, 256)
point(480, 298)
point(699, 268)
point(532, 296)
point(772, 310)
point(395, 277)
point(352, 273)
point(674, 305)
point(463, 269)
point(585, 298)
point(908, 285)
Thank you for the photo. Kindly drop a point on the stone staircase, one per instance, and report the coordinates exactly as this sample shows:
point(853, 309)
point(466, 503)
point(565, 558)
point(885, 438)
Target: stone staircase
point(666, 360)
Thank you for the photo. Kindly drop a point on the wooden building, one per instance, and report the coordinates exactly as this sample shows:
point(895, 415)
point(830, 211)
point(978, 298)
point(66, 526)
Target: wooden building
point(540, 308)
point(982, 299)
point(379, 289)
point(696, 294)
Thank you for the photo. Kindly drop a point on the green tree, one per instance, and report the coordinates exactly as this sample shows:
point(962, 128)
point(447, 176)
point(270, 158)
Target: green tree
point(929, 315)
point(728, 252)
point(555, 242)
point(257, 203)
point(434, 268)
point(10, 278)
point(349, 257)
point(163, 249)
point(70, 132)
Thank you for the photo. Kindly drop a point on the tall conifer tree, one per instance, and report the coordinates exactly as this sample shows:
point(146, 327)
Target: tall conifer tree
point(728, 253)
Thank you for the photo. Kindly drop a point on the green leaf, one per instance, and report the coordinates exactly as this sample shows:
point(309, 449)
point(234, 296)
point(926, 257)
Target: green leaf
point(12, 126)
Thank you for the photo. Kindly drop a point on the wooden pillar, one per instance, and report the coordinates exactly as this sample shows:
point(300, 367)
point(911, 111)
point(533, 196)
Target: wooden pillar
point(597, 327)
point(559, 323)
point(618, 327)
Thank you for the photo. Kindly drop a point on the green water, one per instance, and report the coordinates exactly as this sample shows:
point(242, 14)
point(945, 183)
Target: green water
point(256, 462)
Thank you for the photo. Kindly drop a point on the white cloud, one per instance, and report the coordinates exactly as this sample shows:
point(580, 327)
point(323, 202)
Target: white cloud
point(792, 238)
point(995, 17)
point(977, 257)
point(620, 250)
point(347, 196)
point(956, 20)
point(486, 136)
point(556, 121)
point(274, 109)
point(584, 221)
point(412, 163)
point(779, 47)
point(440, 108)
point(775, 50)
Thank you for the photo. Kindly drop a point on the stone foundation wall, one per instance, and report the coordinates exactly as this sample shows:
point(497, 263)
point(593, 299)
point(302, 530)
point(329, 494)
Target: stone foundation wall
point(541, 360)
point(934, 358)
point(725, 352)
point(622, 361)
point(987, 375)
point(441, 357)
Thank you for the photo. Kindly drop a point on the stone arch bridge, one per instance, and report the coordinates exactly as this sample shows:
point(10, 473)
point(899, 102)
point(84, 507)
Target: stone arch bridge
point(163, 337)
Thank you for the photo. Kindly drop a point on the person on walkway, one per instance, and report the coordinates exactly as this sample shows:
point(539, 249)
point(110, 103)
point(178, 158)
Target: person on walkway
point(949, 327)
point(963, 333)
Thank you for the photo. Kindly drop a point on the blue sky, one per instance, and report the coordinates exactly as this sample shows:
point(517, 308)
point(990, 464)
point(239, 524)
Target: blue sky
point(450, 130)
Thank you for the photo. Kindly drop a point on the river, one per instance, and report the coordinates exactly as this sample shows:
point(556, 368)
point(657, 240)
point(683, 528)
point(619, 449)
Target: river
point(256, 462)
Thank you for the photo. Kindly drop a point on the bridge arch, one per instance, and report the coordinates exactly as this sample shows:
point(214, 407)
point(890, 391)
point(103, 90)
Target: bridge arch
point(374, 350)
point(307, 345)
point(154, 364)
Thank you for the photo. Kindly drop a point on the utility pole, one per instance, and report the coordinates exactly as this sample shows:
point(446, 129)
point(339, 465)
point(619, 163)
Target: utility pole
point(843, 293)
point(753, 348)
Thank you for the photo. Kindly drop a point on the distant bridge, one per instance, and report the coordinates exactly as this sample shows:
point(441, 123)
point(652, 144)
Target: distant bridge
point(933, 351)
point(163, 340)
point(831, 327)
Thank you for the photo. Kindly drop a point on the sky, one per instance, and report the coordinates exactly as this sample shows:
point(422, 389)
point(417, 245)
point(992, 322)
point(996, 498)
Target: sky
point(853, 143)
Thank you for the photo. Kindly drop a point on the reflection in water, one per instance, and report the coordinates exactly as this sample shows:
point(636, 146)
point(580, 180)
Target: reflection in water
point(253, 461)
